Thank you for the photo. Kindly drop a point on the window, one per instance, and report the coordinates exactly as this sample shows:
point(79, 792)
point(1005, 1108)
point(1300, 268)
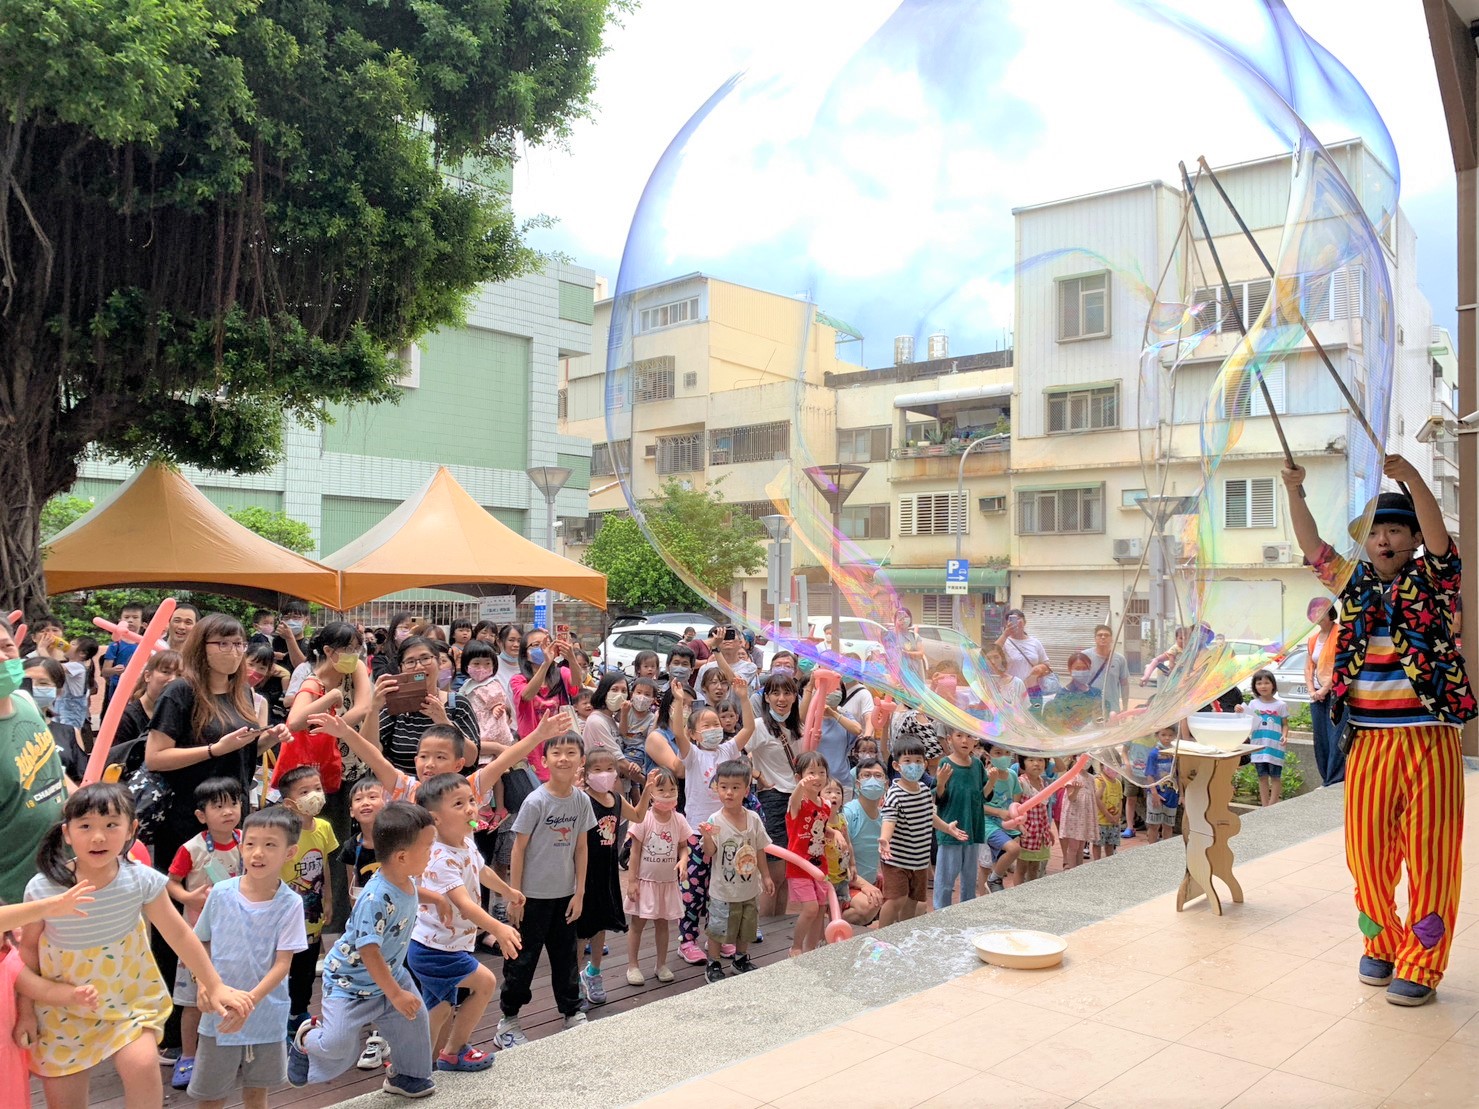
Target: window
point(680, 454)
point(865, 521)
point(933, 514)
point(1219, 313)
point(1083, 306)
point(654, 379)
point(1250, 502)
point(604, 459)
point(690, 379)
point(755, 510)
point(668, 315)
point(936, 608)
point(1060, 511)
point(1084, 409)
point(408, 366)
point(562, 404)
point(1131, 498)
point(756, 443)
point(862, 444)
point(1242, 398)
point(1340, 295)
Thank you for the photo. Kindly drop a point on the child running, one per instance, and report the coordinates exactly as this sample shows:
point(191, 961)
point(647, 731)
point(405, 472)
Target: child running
point(365, 977)
point(109, 950)
point(202, 862)
point(549, 863)
point(441, 954)
point(253, 927)
point(734, 841)
point(660, 842)
point(1271, 732)
point(601, 907)
point(18, 979)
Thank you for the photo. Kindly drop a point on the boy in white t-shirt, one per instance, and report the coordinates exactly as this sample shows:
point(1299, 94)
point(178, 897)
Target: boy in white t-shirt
point(441, 953)
point(734, 843)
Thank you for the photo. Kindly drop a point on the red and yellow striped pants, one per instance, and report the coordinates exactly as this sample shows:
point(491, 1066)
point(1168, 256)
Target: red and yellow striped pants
point(1404, 802)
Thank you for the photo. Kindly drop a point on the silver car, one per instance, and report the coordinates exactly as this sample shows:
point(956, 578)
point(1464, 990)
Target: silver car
point(1288, 672)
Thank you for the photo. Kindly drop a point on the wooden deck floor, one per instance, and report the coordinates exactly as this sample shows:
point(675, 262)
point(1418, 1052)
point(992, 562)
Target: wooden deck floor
point(540, 1018)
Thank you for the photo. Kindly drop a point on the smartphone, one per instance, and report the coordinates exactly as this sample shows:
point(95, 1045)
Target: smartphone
point(408, 695)
point(562, 631)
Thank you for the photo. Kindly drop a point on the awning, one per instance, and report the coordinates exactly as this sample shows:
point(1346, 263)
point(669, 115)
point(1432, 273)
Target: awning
point(159, 530)
point(443, 539)
point(931, 402)
point(931, 579)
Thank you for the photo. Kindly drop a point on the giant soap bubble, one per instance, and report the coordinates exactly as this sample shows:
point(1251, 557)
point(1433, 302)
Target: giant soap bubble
point(969, 169)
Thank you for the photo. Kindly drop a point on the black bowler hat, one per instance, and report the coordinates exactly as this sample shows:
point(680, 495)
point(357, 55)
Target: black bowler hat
point(1390, 508)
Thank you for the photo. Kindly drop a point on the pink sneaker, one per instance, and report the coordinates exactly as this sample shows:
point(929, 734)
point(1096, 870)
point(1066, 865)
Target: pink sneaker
point(727, 950)
point(690, 953)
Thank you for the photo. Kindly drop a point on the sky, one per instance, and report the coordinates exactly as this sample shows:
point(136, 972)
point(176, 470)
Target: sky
point(951, 120)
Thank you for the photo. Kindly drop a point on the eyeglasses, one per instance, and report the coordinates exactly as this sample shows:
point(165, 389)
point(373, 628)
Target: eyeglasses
point(419, 660)
point(236, 646)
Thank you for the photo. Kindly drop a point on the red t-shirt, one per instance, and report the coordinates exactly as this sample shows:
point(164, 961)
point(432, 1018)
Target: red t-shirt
point(806, 835)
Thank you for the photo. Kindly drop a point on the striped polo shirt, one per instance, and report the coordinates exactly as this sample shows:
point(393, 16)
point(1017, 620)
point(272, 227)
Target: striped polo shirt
point(913, 816)
point(1381, 696)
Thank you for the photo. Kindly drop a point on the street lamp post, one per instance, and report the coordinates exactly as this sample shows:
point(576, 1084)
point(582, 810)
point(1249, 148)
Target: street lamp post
point(960, 531)
point(836, 482)
point(549, 480)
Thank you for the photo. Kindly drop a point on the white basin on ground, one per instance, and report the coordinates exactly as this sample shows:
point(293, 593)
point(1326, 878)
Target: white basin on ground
point(1226, 731)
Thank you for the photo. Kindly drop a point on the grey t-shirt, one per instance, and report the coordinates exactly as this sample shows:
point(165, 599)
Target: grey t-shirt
point(1112, 678)
point(554, 825)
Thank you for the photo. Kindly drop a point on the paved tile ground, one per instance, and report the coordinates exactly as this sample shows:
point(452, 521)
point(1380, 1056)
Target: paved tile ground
point(1258, 1008)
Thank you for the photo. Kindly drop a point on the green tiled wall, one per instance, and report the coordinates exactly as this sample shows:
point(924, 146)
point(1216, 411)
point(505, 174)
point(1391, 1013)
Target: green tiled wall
point(226, 499)
point(580, 470)
point(577, 303)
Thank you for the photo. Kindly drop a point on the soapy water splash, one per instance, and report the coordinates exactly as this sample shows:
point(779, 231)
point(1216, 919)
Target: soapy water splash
point(893, 181)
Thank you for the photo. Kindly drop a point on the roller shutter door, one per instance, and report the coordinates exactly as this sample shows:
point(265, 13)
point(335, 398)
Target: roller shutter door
point(1064, 624)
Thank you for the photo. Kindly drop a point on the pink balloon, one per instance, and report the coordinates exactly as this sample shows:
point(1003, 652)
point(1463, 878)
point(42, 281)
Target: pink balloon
point(839, 929)
point(119, 632)
point(823, 682)
point(20, 629)
point(126, 682)
point(1017, 809)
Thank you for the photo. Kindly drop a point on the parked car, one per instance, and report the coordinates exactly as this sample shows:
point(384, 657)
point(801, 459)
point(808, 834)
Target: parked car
point(942, 644)
point(621, 647)
point(856, 636)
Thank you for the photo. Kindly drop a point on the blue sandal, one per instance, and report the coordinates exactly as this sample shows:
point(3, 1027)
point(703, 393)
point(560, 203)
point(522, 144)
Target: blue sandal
point(184, 1067)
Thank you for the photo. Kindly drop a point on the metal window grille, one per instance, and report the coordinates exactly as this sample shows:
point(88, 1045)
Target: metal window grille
point(680, 454)
point(653, 379)
point(1060, 511)
point(756, 443)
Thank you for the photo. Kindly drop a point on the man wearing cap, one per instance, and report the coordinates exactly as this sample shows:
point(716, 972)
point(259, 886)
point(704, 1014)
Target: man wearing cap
point(1319, 669)
point(1399, 675)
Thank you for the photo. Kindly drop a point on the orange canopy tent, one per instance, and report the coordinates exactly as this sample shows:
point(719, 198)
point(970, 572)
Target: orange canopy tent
point(160, 530)
point(441, 538)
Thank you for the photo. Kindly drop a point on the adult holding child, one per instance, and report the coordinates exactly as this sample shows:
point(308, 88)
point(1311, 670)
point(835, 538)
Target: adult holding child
point(550, 675)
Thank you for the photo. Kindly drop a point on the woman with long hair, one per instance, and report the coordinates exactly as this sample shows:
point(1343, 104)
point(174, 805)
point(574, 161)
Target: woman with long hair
point(388, 658)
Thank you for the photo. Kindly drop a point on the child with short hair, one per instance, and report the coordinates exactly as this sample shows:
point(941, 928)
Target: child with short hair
point(601, 907)
point(549, 863)
point(109, 950)
point(366, 799)
point(1162, 799)
point(441, 954)
point(252, 925)
point(1004, 786)
point(1109, 799)
point(864, 817)
point(734, 840)
point(960, 791)
point(200, 863)
point(806, 835)
point(660, 846)
point(1038, 833)
point(1271, 733)
point(306, 873)
point(904, 841)
point(365, 977)
point(857, 898)
point(74, 701)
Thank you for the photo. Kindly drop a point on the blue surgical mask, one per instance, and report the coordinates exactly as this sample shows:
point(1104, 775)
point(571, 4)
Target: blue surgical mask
point(44, 696)
point(1001, 762)
point(679, 673)
point(913, 771)
point(779, 717)
point(508, 659)
point(536, 655)
point(872, 788)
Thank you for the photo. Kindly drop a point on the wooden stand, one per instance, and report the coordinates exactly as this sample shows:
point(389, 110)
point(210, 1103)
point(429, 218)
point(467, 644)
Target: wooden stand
point(1207, 823)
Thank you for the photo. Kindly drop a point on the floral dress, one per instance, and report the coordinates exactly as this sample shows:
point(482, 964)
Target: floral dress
point(107, 949)
point(1036, 822)
point(1080, 817)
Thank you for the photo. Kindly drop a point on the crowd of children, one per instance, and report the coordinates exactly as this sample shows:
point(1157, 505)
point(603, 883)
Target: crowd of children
point(497, 813)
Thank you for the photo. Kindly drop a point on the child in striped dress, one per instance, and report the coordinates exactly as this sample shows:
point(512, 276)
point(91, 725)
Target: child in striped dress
point(1271, 732)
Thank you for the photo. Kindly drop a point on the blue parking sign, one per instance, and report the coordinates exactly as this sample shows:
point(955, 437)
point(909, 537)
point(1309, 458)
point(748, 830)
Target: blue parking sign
point(957, 577)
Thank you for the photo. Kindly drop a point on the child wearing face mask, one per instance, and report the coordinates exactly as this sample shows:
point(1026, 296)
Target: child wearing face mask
point(701, 748)
point(485, 693)
point(660, 841)
point(601, 907)
point(635, 722)
point(303, 795)
point(1004, 787)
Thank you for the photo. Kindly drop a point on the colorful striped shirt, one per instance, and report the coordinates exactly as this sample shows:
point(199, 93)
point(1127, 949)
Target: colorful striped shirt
point(1268, 729)
point(1382, 695)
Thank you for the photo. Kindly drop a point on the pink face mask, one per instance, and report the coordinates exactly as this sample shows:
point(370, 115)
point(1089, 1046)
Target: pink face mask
point(665, 804)
point(480, 671)
point(602, 781)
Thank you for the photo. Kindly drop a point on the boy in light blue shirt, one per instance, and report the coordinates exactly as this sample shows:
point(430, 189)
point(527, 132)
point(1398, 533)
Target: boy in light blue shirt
point(365, 976)
point(252, 925)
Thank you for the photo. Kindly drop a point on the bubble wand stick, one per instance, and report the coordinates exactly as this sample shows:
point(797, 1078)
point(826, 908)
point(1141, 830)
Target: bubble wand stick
point(1304, 323)
point(1268, 399)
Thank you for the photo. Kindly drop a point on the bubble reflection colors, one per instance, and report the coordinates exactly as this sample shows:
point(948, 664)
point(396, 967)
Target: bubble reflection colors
point(891, 182)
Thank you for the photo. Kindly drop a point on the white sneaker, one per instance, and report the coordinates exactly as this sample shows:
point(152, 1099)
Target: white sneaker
point(374, 1054)
point(509, 1034)
point(573, 1022)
